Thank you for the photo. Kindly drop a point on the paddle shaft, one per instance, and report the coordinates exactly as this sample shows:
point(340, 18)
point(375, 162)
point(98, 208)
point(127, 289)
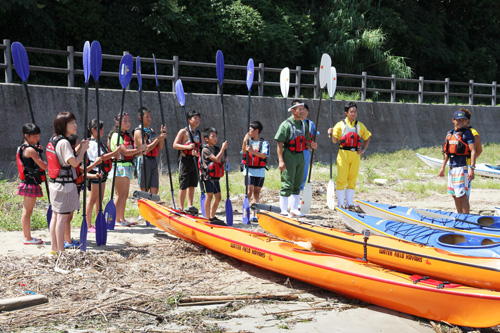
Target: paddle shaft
point(119, 131)
point(285, 108)
point(314, 137)
point(191, 137)
point(248, 142)
point(99, 143)
point(330, 121)
point(143, 134)
point(225, 151)
point(85, 136)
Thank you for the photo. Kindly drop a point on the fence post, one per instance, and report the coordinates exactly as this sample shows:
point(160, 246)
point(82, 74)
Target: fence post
point(316, 82)
point(261, 79)
point(494, 93)
point(471, 92)
point(393, 88)
point(298, 78)
point(71, 66)
point(364, 80)
point(420, 90)
point(175, 71)
point(8, 61)
point(447, 90)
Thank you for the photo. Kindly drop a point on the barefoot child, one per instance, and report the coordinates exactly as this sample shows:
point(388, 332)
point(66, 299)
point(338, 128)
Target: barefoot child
point(258, 151)
point(212, 166)
point(124, 164)
point(31, 171)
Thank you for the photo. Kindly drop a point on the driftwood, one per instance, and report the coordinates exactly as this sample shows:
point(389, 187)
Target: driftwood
point(10, 304)
point(199, 300)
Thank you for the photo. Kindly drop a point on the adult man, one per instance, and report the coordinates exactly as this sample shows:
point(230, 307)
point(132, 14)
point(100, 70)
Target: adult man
point(293, 138)
point(458, 147)
point(348, 133)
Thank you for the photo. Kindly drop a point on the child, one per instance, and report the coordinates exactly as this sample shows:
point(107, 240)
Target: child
point(151, 181)
point(189, 151)
point(93, 170)
point(212, 169)
point(124, 164)
point(258, 151)
point(31, 172)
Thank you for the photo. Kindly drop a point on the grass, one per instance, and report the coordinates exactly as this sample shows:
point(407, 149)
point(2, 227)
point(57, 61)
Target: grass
point(402, 169)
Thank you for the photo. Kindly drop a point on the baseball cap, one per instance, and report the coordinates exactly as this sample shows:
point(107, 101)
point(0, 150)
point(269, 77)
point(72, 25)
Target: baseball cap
point(459, 115)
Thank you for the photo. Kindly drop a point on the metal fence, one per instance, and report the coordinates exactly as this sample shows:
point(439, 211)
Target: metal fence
point(368, 86)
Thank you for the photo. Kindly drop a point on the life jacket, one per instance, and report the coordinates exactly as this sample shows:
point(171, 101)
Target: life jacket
point(105, 165)
point(297, 141)
point(350, 139)
point(197, 141)
point(29, 171)
point(128, 141)
point(213, 169)
point(254, 161)
point(454, 144)
point(58, 173)
point(150, 137)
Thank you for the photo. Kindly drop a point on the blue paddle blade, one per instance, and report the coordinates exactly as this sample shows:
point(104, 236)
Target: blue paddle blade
point(109, 216)
point(125, 71)
point(138, 71)
point(250, 73)
point(219, 59)
point(86, 61)
point(229, 212)
point(99, 222)
point(20, 59)
point(246, 211)
point(83, 235)
point(156, 71)
point(49, 216)
point(202, 203)
point(95, 60)
point(179, 92)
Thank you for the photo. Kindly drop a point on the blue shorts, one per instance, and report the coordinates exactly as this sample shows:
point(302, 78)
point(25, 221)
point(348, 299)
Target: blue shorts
point(255, 181)
point(212, 186)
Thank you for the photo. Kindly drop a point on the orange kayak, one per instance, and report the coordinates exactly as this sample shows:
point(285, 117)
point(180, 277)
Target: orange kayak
point(389, 252)
point(413, 294)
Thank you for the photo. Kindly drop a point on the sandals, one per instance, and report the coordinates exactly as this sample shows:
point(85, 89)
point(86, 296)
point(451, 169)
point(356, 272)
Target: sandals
point(33, 241)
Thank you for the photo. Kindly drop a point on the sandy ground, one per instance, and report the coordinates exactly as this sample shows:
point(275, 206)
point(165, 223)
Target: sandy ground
point(340, 315)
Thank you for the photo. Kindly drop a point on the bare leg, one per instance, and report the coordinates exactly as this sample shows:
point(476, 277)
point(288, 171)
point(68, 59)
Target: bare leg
point(208, 200)
point(67, 227)
point(28, 204)
point(190, 196)
point(215, 205)
point(182, 198)
point(122, 188)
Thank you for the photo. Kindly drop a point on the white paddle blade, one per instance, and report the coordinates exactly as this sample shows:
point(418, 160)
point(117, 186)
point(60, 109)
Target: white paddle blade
point(330, 195)
point(332, 83)
point(306, 199)
point(324, 70)
point(285, 81)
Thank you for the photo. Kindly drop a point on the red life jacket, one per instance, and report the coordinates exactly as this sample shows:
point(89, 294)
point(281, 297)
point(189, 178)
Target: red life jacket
point(149, 138)
point(213, 169)
point(128, 141)
point(197, 141)
point(350, 139)
point(255, 162)
point(297, 140)
point(58, 173)
point(29, 171)
point(105, 165)
point(454, 144)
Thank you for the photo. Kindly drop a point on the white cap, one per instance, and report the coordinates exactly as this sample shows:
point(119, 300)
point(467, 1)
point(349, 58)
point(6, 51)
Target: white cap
point(294, 106)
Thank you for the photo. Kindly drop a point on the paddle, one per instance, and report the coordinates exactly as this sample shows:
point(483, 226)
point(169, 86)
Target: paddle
point(219, 59)
point(166, 145)
point(179, 92)
point(332, 86)
point(125, 76)
point(86, 74)
point(246, 204)
point(285, 86)
point(324, 75)
point(22, 67)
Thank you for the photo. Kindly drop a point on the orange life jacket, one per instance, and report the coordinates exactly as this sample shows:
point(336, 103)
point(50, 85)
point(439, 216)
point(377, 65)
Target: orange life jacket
point(454, 144)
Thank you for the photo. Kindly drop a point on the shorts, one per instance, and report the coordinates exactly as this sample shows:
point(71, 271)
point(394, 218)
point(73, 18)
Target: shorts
point(124, 171)
point(30, 190)
point(255, 181)
point(212, 186)
point(151, 169)
point(188, 177)
point(95, 181)
point(458, 182)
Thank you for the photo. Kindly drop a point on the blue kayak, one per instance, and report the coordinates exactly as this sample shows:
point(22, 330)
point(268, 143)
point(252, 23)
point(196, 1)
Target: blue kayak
point(480, 225)
point(456, 242)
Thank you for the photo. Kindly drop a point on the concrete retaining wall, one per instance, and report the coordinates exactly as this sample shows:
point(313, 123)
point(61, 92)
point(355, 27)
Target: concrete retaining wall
point(394, 126)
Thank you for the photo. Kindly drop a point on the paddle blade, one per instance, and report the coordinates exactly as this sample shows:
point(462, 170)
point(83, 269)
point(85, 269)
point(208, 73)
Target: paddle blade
point(306, 199)
point(49, 216)
point(250, 73)
point(109, 216)
point(83, 235)
point(86, 62)
point(332, 82)
point(330, 195)
point(95, 60)
point(100, 228)
point(20, 59)
point(229, 212)
point(246, 211)
point(125, 71)
point(285, 81)
point(202, 203)
point(138, 71)
point(179, 92)
point(219, 60)
point(324, 70)
point(156, 71)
